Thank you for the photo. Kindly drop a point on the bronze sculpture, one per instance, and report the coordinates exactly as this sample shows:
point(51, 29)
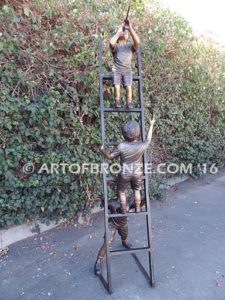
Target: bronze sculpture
point(131, 156)
point(117, 224)
point(130, 152)
point(122, 56)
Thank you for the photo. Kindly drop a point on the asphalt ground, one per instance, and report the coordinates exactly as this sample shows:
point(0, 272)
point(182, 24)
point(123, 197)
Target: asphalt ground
point(189, 253)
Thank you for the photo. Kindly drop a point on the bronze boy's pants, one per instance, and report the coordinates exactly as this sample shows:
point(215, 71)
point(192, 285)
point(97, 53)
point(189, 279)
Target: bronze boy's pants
point(123, 232)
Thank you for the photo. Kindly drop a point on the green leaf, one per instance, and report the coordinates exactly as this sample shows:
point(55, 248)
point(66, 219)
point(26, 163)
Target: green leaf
point(26, 11)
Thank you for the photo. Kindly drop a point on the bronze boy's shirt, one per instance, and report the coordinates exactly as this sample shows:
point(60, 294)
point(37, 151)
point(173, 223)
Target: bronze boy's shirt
point(122, 56)
point(131, 156)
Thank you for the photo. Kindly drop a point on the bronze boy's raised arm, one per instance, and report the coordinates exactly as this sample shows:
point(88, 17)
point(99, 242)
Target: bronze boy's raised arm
point(120, 33)
point(149, 135)
point(134, 35)
point(115, 38)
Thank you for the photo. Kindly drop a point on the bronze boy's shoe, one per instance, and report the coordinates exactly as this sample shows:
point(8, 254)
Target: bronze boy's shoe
point(130, 105)
point(126, 244)
point(117, 104)
point(97, 267)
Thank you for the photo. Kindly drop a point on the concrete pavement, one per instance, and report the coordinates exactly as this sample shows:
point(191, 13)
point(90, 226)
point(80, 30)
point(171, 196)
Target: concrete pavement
point(189, 255)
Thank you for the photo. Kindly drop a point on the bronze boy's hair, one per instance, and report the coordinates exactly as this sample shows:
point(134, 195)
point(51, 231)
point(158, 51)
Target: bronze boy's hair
point(131, 130)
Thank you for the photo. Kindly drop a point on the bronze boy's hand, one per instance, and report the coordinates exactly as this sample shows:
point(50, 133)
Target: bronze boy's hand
point(101, 147)
point(128, 25)
point(152, 121)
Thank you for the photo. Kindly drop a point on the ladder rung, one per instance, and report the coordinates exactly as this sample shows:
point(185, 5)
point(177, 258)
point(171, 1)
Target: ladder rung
point(130, 251)
point(112, 109)
point(127, 214)
point(110, 77)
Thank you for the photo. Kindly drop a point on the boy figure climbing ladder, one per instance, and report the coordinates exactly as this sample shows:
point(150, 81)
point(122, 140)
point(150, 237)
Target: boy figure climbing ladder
point(122, 56)
point(130, 152)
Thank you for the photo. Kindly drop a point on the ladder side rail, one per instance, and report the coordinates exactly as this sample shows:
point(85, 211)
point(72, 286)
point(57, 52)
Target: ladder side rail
point(146, 180)
point(104, 173)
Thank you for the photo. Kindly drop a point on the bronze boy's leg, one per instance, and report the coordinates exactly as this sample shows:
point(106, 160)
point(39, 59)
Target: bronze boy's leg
point(123, 232)
point(122, 199)
point(137, 199)
point(102, 252)
point(117, 95)
point(136, 183)
point(129, 95)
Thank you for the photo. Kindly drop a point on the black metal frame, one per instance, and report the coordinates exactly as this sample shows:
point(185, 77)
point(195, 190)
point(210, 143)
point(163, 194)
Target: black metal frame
point(150, 277)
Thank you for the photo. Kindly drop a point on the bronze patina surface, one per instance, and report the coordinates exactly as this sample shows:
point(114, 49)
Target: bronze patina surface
point(130, 152)
point(122, 57)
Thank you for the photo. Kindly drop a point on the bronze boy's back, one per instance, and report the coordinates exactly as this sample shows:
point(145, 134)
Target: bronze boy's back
point(131, 152)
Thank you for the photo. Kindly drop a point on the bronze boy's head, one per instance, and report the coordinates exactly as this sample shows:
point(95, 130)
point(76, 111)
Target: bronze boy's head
point(131, 131)
point(124, 36)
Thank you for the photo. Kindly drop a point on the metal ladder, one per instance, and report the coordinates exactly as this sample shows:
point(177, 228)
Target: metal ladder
point(150, 276)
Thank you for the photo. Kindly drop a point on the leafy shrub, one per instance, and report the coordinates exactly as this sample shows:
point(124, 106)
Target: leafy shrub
point(50, 100)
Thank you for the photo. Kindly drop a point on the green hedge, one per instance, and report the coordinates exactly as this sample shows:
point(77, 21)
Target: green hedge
point(49, 110)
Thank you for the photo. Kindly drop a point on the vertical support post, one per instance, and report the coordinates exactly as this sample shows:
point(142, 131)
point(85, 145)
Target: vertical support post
point(108, 265)
point(146, 181)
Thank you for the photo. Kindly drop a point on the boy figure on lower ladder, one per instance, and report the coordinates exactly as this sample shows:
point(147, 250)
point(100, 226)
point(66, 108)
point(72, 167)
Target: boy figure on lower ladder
point(117, 224)
point(130, 152)
point(122, 56)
